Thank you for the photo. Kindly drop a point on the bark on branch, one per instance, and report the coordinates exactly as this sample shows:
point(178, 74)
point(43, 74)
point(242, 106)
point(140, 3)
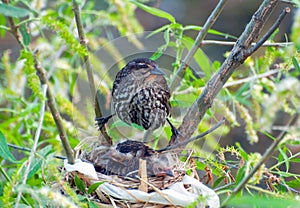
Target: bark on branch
point(241, 50)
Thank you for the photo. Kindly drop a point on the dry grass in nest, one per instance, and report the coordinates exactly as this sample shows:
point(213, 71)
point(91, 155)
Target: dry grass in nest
point(139, 181)
point(154, 184)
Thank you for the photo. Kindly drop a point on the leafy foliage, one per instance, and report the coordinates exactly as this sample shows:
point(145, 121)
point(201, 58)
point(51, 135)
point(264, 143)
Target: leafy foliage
point(254, 101)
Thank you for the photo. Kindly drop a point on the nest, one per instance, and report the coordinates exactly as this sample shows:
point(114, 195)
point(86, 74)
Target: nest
point(138, 185)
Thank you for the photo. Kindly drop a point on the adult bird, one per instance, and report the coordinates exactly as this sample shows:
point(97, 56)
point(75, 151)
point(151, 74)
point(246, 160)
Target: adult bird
point(140, 95)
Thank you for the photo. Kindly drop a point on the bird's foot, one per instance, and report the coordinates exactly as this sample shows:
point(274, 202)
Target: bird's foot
point(100, 122)
point(174, 130)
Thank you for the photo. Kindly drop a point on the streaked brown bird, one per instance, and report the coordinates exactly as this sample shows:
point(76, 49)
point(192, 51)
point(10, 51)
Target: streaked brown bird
point(123, 160)
point(141, 95)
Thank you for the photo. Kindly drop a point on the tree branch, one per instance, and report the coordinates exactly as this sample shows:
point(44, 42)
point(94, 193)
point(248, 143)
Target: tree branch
point(210, 21)
point(237, 56)
point(89, 69)
point(14, 28)
point(54, 111)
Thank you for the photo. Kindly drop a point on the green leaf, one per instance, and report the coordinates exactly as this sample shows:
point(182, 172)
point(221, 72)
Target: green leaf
point(119, 123)
point(263, 201)
point(79, 183)
point(294, 183)
point(92, 204)
point(211, 31)
point(162, 48)
point(240, 174)
point(94, 186)
point(296, 160)
point(12, 11)
point(25, 34)
point(284, 158)
point(218, 181)
point(157, 54)
point(184, 101)
point(200, 57)
point(244, 154)
point(36, 163)
point(296, 64)
point(4, 151)
point(34, 167)
point(2, 26)
point(273, 34)
point(163, 28)
point(155, 12)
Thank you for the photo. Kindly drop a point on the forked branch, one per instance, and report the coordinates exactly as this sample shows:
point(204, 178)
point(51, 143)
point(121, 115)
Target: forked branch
point(241, 50)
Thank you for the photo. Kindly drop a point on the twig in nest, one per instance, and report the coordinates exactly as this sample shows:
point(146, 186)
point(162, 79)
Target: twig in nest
point(158, 191)
point(143, 174)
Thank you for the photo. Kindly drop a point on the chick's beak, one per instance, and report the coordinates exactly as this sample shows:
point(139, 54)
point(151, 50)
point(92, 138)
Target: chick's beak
point(169, 172)
point(157, 71)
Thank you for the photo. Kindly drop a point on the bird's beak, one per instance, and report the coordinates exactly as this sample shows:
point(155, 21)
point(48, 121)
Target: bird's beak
point(169, 172)
point(157, 71)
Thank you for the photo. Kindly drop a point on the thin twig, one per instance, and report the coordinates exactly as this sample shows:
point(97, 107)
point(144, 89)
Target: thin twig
point(25, 149)
point(249, 79)
point(291, 2)
point(14, 28)
point(185, 142)
point(54, 111)
point(270, 31)
point(230, 84)
point(202, 33)
point(232, 43)
point(236, 57)
point(89, 69)
point(34, 147)
point(269, 152)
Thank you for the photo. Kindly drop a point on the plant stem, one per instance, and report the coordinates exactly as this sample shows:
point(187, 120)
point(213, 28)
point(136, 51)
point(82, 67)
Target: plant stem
point(202, 33)
point(54, 111)
point(89, 69)
point(34, 147)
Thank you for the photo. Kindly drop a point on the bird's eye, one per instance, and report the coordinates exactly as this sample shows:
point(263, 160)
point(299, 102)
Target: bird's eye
point(142, 65)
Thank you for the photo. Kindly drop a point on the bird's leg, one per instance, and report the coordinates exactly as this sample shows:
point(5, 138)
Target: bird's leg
point(175, 132)
point(100, 122)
